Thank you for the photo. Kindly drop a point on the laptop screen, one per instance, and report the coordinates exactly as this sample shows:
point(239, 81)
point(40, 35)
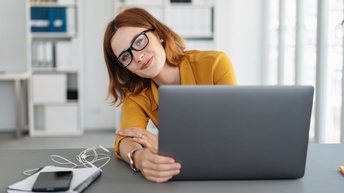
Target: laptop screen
point(235, 132)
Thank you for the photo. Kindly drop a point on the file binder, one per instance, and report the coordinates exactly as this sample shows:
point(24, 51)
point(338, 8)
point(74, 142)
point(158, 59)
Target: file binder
point(48, 19)
point(40, 19)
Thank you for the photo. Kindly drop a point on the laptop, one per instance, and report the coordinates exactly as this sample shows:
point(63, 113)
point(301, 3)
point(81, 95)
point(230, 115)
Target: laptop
point(220, 132)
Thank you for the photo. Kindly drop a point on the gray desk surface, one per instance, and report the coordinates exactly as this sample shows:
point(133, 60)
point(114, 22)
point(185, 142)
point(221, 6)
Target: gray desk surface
point(322, 174)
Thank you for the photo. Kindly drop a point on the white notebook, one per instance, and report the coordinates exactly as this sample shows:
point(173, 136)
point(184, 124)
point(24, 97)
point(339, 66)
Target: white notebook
point(82, 178)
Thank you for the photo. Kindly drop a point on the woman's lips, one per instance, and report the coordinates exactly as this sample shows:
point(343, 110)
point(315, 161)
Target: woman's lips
point(146, 64)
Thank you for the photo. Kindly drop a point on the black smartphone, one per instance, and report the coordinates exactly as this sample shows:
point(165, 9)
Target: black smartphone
point(53, 181)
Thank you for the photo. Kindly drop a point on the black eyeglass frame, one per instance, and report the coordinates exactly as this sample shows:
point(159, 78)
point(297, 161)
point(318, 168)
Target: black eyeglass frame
point(132, 48)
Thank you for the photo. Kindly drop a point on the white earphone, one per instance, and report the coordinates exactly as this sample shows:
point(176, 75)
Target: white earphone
point(83, 156)
point(103, 148)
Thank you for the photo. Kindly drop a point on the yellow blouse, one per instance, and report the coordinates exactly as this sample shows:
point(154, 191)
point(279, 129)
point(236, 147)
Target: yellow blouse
point(198, 67)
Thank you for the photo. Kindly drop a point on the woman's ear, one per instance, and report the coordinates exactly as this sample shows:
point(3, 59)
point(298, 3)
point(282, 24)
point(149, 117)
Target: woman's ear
point(157, 36)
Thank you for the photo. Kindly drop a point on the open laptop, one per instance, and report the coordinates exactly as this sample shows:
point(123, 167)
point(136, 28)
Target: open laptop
point(235, 132)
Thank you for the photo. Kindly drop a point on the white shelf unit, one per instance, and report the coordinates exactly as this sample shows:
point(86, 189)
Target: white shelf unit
point(55, 66)
point(193, 20)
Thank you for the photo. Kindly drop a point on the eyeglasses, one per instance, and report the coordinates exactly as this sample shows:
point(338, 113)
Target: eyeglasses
point(138, 44)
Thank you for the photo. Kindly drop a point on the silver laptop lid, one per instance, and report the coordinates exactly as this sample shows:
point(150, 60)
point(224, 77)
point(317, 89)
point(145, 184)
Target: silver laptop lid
point(235, 132)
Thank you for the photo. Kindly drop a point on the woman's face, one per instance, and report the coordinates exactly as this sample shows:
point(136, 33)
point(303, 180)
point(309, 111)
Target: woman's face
point(146, 63)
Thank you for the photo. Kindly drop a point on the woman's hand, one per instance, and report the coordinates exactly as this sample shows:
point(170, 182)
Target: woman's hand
point(155, 167)
point(141, 136)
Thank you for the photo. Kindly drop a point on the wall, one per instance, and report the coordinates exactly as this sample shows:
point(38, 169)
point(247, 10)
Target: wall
point(238, 33)
point(98, 114)
point(12, 57)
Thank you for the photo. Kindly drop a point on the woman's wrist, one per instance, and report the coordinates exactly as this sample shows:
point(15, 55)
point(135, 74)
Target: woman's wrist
point(133, 158)
point(137, 158)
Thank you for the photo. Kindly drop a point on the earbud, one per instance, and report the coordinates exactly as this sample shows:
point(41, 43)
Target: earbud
point(103, 148)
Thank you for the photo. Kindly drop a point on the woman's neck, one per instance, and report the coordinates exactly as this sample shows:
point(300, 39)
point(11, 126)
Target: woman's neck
point(169, 75)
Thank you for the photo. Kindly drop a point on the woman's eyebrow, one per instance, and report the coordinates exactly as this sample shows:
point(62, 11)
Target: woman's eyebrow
point(134, 38)
point(131, 43)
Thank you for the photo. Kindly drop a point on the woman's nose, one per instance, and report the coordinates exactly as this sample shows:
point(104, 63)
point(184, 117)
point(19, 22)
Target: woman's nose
point(138, 56)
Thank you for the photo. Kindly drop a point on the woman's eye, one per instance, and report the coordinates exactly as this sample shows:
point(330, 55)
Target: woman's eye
point(138, 42)
point(125, 56)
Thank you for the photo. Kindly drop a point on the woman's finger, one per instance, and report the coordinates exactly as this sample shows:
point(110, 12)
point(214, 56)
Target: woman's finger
point(132, 132)
point(158, 168)
point(147, 141)
point(158, 176)
point(141, 136)
point(153, 159)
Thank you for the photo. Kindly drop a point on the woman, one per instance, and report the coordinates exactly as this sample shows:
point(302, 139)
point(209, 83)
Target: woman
point(142, 54)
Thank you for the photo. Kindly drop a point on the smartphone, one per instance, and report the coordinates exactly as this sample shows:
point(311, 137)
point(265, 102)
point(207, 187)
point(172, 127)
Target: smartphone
point(53, 181)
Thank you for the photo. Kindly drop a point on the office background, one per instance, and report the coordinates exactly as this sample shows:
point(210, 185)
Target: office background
point(248, 31)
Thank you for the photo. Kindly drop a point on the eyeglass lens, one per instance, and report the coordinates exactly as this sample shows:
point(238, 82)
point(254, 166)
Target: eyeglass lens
point(138, 44)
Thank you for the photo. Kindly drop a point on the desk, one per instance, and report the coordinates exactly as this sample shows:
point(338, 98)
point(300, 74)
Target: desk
point(322, 174)
point(17, 78)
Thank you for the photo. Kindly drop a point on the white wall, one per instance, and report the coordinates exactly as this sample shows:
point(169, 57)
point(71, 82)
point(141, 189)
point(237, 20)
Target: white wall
point(238, 33)
point(98, 114)
point(12, 57)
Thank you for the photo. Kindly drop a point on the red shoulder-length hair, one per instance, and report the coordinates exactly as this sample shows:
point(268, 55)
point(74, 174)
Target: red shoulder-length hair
point(122, 81)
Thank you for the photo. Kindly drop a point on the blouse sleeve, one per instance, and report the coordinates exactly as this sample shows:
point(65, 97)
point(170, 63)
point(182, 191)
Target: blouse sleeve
point(132, 115)
point(223, 70)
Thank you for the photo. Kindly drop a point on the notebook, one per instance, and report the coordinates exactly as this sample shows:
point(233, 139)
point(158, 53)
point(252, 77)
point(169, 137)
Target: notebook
point(235, 132)
point(82, 179)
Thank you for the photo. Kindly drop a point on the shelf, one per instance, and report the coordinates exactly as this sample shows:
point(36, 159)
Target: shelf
point(14, 76)
point(44, 133)
point(53, 35)
point(52, 4)
point(68, 102)
point(51, 71)
point(55, 66)
point(142, 3)
point(56, 119)
point(206, 37)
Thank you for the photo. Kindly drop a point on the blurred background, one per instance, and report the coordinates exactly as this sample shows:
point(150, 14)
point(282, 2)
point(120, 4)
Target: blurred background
point(270, 42)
